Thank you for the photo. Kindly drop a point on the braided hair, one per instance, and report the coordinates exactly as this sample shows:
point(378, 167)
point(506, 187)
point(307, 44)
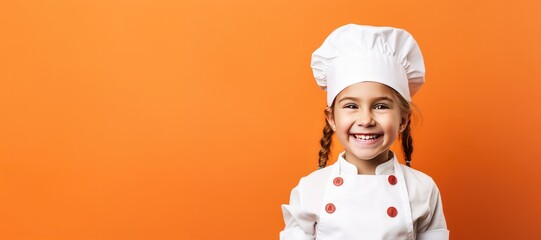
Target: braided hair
point(407, 143)
point(405, 137)
point(325, 142)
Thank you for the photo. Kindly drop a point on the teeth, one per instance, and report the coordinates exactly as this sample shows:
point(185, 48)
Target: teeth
point(366, 137)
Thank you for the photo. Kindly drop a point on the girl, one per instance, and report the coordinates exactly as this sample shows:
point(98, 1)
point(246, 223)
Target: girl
point(370, 74)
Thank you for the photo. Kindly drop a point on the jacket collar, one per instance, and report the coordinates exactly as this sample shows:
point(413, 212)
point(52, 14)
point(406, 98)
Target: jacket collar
point(346, 167)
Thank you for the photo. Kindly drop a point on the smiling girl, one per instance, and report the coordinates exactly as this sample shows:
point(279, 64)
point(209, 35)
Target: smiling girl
point(370, 74)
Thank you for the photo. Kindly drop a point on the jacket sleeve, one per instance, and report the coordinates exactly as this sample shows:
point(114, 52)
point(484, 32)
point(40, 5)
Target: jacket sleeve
point(434, 227)
point(299, 222)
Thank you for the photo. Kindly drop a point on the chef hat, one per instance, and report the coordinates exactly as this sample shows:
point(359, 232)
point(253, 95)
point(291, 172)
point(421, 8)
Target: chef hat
point(355, 53)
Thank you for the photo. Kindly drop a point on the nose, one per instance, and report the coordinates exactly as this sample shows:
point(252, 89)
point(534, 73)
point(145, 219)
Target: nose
point(365, 119)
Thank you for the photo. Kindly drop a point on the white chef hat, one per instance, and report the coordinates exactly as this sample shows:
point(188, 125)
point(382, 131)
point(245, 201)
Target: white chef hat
point(355, 53)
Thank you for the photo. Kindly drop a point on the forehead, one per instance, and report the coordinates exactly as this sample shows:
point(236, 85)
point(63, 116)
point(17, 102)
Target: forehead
point(366, 90)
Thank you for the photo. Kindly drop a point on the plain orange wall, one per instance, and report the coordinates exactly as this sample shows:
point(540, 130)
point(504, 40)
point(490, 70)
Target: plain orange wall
point(194, 119)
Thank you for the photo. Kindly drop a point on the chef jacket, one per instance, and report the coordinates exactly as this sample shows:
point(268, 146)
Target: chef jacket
point(336, 203)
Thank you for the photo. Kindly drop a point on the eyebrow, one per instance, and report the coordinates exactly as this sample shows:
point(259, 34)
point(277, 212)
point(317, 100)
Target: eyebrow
point(375, 99)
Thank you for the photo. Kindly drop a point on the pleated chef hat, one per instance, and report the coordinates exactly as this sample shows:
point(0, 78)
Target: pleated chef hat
point(355, 53)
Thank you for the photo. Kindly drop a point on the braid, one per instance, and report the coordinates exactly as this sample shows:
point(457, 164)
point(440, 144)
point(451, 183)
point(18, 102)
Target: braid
point(325, 142)
point(407, 144)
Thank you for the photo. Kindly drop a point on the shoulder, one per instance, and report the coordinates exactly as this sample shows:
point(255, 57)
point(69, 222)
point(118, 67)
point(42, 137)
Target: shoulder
point(418, 183)
point(317, 179)
point(311, 188)
point(416, 176)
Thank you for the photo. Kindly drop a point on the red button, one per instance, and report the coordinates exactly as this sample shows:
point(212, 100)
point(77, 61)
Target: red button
point(392, 212)
point(392, 180)
point(330, 208)
point(338, 181)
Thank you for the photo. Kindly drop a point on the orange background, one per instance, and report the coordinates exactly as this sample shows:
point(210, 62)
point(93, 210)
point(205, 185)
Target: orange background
point(194, 119)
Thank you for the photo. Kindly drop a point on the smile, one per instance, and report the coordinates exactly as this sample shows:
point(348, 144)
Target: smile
point(366, 137)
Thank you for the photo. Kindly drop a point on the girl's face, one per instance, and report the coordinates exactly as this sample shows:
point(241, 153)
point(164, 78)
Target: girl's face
point(367, 120)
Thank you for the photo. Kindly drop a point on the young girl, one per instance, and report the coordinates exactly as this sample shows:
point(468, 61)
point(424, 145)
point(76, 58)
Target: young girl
point(370, 74)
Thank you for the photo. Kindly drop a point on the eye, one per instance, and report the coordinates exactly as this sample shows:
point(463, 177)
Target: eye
point(350, 106)
point(381, 106)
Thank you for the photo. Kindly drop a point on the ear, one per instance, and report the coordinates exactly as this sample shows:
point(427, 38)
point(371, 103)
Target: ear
point(330, 118)
point(404, 122)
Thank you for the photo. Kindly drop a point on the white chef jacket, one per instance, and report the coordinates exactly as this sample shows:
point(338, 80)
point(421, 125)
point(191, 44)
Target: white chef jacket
point(337, 203)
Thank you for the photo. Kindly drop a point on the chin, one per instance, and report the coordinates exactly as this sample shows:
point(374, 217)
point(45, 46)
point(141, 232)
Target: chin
point(364, 156)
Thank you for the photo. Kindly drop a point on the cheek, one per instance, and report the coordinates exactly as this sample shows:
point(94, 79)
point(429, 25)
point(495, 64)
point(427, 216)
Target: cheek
point(343, 123)
point(390, 124)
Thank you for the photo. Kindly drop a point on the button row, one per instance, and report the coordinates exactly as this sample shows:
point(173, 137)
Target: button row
point(391, 211)
point(338, 181)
